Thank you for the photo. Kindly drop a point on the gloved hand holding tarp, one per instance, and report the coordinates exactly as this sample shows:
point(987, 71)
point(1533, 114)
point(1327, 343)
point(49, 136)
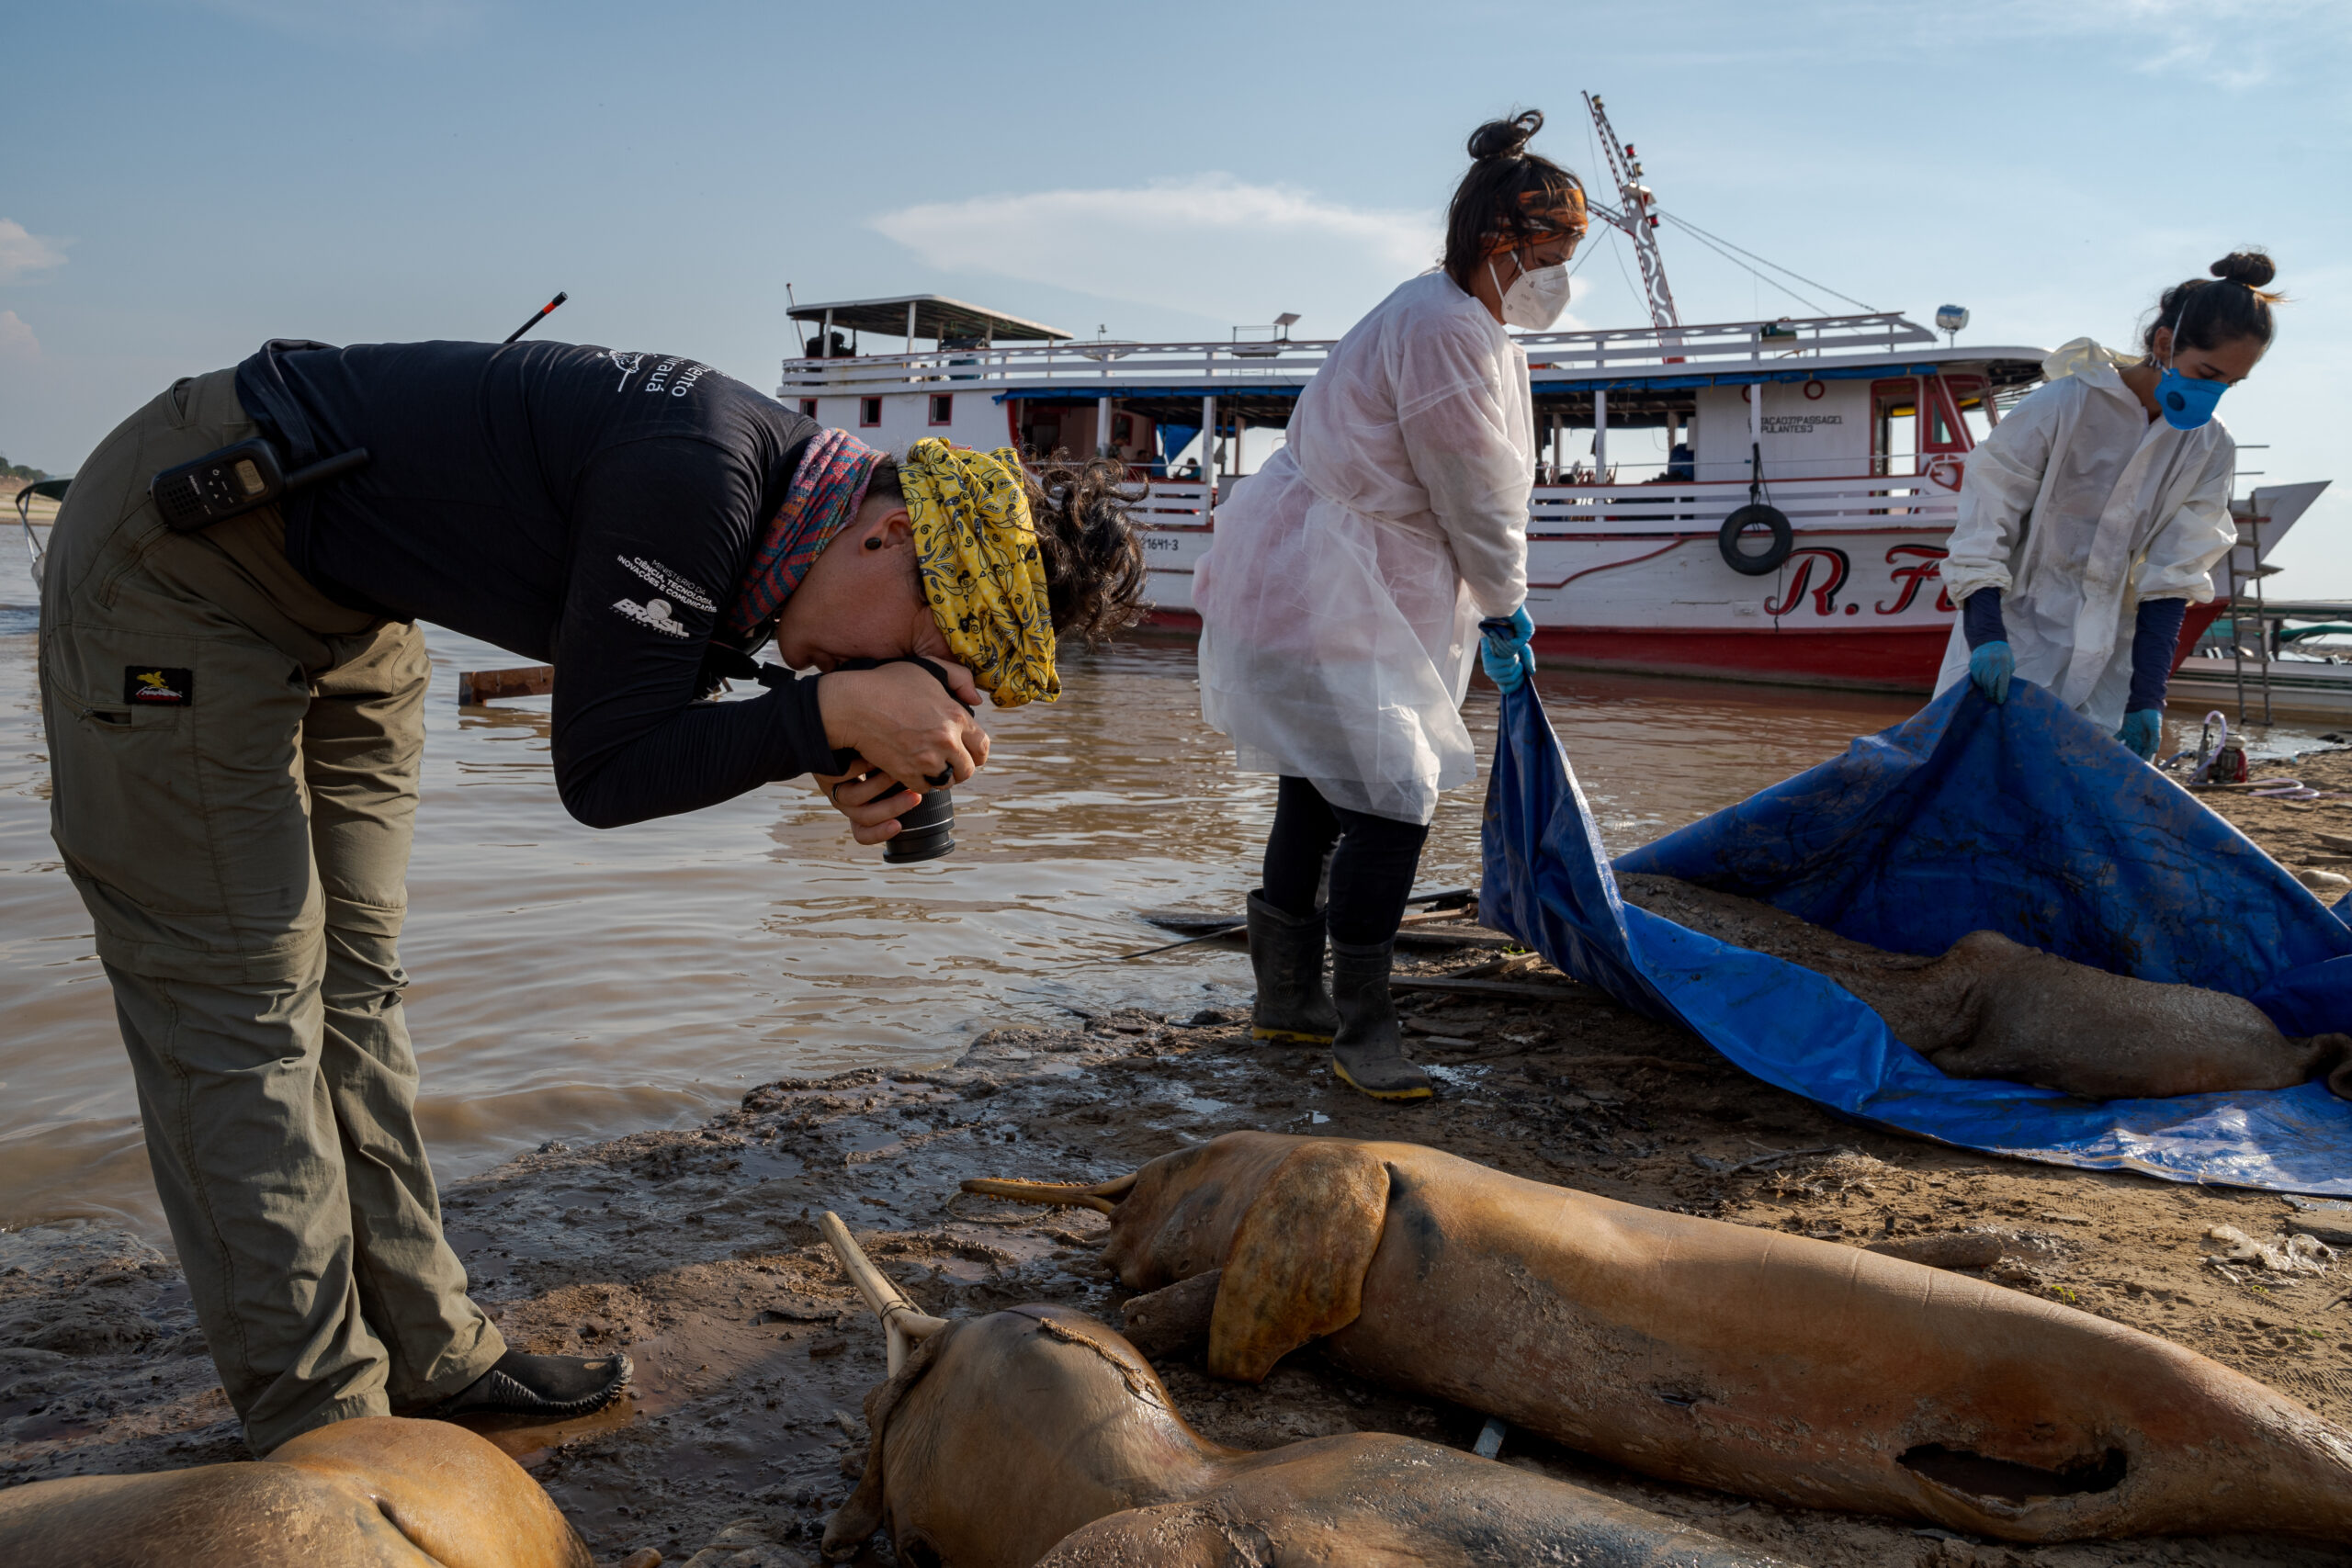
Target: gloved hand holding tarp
point(2024, 819)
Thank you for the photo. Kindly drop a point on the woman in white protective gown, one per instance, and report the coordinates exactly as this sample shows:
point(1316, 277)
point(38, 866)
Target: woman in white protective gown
point(2102, 503)
point(1340, 601)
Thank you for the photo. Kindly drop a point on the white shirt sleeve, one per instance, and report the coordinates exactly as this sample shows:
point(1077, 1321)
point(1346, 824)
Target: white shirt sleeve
point(1451, 411)
point(2004, 476)
point(2179, 560)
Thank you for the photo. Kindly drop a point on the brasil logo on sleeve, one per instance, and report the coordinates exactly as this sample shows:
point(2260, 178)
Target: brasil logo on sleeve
point(158, 686)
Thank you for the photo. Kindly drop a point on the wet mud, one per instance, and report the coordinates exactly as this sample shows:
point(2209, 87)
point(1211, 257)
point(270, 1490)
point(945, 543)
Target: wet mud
point(697, 1250)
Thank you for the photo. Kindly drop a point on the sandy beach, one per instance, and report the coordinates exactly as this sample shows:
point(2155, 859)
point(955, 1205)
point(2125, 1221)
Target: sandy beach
point(697, 1249)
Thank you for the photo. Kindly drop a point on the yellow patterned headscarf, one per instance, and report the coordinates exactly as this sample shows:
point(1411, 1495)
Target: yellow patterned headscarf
point(981, 572)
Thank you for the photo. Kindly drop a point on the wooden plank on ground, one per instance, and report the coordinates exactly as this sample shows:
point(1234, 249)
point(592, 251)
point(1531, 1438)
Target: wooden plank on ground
point(1562, 992)
point(1419, 929)
point(477, 686)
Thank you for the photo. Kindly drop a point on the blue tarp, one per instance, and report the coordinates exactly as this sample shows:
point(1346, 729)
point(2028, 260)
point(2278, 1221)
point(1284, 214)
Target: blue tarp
point(1173, 439)
point(2023, 818)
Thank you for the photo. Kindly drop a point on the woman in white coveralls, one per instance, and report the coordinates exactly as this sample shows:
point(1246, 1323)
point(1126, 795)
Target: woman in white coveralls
point(1341, 598)
point(2101, 502)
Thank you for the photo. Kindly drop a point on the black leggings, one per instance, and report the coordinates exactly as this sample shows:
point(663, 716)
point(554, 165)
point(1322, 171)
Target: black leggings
point(1372, 871)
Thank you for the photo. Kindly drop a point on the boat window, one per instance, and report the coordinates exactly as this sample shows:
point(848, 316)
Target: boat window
point(1940, 425)
point(1969, 394)
point(942, 408)
point(1894, 427)
point(1940, 430)
point(808, 408)
point(1123, 429)
point(869, 413)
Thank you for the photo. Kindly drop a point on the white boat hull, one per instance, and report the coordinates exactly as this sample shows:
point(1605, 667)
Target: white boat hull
point(1634, 578)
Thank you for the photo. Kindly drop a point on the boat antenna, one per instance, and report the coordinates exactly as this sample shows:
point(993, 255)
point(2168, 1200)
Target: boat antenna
point(537, 316)
point(1636, 215)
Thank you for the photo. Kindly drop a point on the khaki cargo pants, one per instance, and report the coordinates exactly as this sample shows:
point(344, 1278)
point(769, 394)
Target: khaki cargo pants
point(234, 763)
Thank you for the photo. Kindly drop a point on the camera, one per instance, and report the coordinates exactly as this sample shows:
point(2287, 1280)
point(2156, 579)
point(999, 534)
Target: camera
point(928, 831)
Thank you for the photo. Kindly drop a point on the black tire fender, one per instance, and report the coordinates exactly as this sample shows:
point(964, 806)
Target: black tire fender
point(1755, 514)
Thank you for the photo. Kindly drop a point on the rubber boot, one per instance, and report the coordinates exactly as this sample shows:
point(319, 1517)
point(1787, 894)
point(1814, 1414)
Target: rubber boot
point(1368, 1053)
point(1286, 951)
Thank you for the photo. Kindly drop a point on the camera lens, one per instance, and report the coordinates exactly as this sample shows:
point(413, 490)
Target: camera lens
point(929, 830)
point(926, 832)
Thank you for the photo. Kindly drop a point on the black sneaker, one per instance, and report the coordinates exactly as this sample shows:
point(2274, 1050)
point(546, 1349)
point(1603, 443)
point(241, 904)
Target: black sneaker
point(549, 1387)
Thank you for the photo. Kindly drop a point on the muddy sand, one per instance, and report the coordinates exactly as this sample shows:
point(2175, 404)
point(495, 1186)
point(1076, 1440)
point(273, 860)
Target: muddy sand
point(698, 1251)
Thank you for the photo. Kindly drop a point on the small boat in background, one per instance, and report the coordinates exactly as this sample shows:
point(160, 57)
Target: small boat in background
point(2258, 661)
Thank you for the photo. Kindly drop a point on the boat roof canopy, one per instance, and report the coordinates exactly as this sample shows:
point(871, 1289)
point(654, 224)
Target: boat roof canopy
point(934, 316)
point(1636, 399)
point(1651, 374)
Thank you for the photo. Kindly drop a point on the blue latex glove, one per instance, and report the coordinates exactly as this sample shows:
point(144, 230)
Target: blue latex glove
point(1508, 652)
point(1990, 666)
point(2143, 730)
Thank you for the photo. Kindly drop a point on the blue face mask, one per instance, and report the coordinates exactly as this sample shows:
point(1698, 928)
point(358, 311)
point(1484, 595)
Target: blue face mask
point(2187, 403)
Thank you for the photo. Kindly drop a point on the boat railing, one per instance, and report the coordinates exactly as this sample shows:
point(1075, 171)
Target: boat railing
point(1845, 503)
point(1172, 504)
point(1100, 368)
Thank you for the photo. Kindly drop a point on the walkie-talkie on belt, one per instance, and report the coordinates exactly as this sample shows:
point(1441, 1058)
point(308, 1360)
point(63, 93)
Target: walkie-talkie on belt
point(236, 479)
point(251, 474)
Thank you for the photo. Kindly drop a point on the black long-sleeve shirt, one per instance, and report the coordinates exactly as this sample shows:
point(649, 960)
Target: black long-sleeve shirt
point(583, 506)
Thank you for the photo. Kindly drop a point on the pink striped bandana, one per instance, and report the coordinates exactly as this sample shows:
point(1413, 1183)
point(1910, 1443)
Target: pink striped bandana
point(827, 489)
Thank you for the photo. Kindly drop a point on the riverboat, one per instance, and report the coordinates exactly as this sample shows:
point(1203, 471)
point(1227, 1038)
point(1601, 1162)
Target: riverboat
point(1856, 429)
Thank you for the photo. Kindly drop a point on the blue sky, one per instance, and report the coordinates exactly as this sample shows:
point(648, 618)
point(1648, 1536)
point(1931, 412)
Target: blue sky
point(182, 179)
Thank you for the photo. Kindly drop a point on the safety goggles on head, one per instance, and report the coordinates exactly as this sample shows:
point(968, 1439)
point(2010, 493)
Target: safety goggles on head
point(1547, 215)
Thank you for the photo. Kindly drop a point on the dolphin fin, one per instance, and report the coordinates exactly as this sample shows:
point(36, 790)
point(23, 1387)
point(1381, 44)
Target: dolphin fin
point(1297, 1268)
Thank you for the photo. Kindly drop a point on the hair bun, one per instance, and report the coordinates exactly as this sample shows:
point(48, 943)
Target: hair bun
point(1505, 138)
point(2252, 268)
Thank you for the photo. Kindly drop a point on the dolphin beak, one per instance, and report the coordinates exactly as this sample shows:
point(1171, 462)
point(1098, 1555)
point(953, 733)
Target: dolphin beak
point(901, 1324)
point(1102, 1198)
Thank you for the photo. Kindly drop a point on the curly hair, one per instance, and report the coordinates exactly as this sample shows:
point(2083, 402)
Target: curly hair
point(1094, 575)
point(1093, 560)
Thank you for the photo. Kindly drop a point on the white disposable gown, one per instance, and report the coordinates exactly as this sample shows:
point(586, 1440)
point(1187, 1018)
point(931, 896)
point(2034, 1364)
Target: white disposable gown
point(2077, 507)
point(1341, 596)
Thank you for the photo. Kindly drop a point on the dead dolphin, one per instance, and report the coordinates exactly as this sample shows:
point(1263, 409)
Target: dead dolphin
point(1990, 1008)
point(1794, 1371)
point(374, 1492)
point(1038, 1435)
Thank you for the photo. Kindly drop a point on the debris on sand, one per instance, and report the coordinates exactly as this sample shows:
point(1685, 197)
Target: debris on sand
point(2280, 1254)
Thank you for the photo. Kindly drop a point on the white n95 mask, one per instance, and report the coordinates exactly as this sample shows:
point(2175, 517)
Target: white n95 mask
point(1536, 298)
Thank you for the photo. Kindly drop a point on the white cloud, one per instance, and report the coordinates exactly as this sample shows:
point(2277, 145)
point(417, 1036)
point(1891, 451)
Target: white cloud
point(1210, 243)
point(22, 254)
point(2233, 44)
point(17, 340)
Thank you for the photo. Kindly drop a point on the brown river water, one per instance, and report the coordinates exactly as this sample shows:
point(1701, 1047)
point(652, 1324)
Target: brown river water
point(574, 984)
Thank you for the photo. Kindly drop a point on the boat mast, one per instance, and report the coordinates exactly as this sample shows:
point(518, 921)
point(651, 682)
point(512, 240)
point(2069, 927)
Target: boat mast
point(1636, 216)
